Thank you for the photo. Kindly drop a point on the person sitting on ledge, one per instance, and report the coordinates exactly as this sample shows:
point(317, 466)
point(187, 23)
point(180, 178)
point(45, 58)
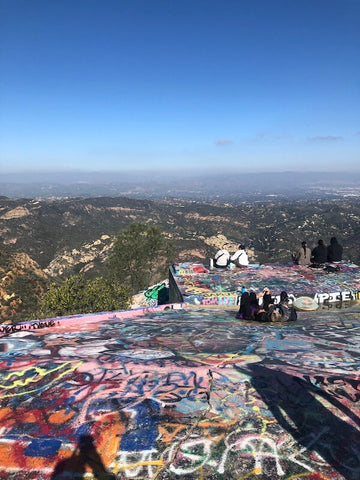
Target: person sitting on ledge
point(302, 256)
point(319, 254)
point(334, 251)
point(221, 259)
point(240, 257)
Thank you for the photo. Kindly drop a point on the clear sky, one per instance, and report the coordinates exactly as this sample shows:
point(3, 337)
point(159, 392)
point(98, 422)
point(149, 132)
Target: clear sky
point(255, 85)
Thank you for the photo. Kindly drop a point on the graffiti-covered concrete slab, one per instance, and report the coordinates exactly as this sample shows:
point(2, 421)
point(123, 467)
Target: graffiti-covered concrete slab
point(157, 294)
point(195, 284)
point(173, 393)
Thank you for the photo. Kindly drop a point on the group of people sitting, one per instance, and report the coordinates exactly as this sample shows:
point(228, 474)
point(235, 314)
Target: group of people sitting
point(320, 254)
point(223, 258)
point(268, 311)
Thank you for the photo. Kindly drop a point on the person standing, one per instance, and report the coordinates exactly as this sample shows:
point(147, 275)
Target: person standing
point(303, 255)
point(334, 251)
point(240, 257)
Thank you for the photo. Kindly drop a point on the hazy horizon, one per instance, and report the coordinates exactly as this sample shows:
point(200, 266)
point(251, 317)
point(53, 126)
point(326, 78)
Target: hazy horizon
point(96, 176)
point(186, 185)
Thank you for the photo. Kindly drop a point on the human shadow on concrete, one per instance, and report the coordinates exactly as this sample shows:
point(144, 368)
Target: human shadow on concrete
point(84, 455)
point(293, 403)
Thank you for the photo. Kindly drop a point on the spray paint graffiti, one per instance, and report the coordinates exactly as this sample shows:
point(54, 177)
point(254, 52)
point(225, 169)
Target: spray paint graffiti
point(224, 287)
point(167, 393)
point(150, 297)
point(17, 327)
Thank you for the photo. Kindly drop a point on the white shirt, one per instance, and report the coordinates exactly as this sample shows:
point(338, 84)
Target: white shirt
point(222, 258)
point(240, 257)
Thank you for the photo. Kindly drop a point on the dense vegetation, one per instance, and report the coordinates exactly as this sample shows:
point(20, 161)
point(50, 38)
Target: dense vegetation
point(141, 256)
point(78, 295)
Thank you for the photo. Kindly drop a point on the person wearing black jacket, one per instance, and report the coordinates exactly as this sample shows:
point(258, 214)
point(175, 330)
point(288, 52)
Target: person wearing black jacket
point(279, 312)
point(319, 253)
point(334, 251)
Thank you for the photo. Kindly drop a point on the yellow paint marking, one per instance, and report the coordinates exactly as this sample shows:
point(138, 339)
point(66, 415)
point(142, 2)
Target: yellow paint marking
point(256, 471)
point(129, 466)
point(265, 423)
point(42, 373)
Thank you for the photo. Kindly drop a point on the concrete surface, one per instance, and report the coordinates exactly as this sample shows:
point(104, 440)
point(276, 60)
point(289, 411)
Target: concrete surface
point(194, 284)
point(175, 393)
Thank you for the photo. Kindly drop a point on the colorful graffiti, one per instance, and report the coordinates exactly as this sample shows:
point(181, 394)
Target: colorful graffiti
point(151, 296)
point(169, 393)
point(222, 287)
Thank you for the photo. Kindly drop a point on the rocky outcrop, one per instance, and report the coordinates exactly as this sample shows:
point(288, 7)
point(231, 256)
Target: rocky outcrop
point(22, 284)
point(220, 241)
point(15, 213)
point(82, 259)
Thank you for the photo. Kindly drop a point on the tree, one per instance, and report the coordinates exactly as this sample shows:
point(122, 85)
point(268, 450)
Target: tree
point(141, 256)
point(78, 295)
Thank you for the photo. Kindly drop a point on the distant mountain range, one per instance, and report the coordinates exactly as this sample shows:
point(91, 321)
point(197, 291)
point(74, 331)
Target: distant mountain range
point(66, 236)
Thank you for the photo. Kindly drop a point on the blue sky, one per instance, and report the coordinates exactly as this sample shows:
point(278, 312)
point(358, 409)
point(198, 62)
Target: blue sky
point(238, 85)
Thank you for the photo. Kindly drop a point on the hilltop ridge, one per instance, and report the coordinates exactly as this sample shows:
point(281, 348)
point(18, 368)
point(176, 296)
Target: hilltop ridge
point(68, 236)
point(51, 231)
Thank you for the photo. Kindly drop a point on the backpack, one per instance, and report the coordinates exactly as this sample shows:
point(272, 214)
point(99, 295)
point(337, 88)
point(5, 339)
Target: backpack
point(289, 314)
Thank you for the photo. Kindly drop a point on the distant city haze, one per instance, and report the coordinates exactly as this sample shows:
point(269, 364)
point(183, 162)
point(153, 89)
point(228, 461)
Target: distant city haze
point(184, 86)
point(185, 184)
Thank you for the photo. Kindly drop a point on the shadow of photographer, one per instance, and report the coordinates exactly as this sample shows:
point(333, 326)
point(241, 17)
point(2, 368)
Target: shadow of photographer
point(85, 456)
point(293, 403)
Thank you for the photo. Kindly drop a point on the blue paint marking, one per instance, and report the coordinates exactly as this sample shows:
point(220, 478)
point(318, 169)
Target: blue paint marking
point(83, 431)
point(144, 429)
point(42, 447)
point(289, 345)
point(249, 349)
point(26, 428)
point(68, 402)
point(126, 371)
